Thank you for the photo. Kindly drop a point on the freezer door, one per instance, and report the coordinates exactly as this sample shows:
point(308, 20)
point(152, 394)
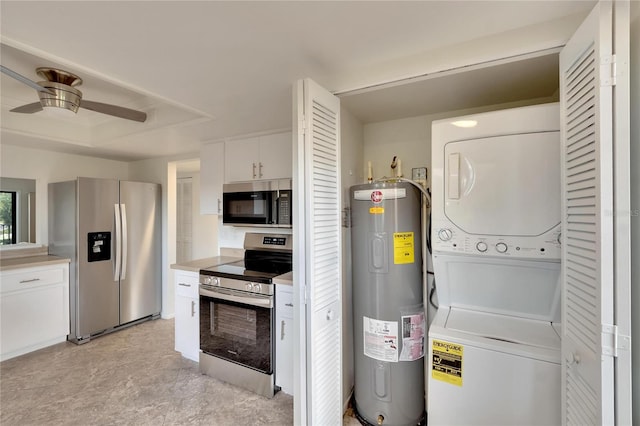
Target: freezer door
point(97, 288)
point(141, 280)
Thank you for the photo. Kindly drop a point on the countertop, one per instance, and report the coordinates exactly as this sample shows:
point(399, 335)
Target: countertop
point(207, 262)
point(286, 279)
point(30, 261)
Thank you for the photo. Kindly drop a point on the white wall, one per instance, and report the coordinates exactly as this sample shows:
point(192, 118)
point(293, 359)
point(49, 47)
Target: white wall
point(635, 205)
point(46, 167)
point(204, 227)
point(352, 144)
point(407, 138)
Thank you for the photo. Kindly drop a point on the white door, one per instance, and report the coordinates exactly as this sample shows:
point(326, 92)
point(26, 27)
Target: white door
point(317, 256)
point(595, 184)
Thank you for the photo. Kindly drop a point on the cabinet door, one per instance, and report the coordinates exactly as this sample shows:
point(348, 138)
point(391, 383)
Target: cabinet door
point(242, 159)
point(34, 310)
point(284, 354)
point(187, 328)
point(284, 338)
point(275, 156)
point(212, 166)
point(187, 314)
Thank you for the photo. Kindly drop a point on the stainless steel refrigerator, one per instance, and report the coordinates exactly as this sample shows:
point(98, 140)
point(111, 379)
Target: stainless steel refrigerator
point(111, 231)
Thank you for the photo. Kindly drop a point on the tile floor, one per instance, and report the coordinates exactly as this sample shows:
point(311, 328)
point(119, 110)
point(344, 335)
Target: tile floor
point(131, 377)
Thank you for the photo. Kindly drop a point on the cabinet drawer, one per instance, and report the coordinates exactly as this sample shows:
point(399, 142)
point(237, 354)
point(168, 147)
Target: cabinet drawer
point(32, 277)
point(284, 300)
point(187, 284)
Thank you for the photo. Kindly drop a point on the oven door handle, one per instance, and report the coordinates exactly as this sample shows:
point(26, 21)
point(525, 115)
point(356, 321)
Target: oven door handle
point(238, 297)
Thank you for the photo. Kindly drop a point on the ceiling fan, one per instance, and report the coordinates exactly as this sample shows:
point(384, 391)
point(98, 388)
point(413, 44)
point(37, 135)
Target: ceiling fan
point(58, 91)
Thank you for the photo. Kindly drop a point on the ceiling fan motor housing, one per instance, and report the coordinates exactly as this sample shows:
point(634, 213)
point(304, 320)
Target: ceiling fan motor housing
point(65, 96)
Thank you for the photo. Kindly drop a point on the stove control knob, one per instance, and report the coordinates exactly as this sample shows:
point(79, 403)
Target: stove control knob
point(257, 287)
point(215, 281)
point(249, 286)
point(206, 280)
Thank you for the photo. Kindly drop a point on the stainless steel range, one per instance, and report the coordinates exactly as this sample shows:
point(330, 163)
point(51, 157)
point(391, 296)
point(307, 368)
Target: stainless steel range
point(237, 315)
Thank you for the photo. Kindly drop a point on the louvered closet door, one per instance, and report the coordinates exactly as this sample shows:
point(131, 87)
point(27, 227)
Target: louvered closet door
point(317, 243)
point(587, 192)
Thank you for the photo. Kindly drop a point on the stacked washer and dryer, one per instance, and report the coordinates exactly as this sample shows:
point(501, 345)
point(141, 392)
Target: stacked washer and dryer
point(494, 344)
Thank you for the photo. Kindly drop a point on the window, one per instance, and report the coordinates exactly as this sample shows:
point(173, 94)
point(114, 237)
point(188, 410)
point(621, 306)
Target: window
point(7, 217)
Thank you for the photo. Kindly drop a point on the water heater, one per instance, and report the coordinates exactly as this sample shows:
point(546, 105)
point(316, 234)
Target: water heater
point(389, 315)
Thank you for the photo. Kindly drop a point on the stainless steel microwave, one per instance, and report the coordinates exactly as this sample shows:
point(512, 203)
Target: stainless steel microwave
point(261, 203)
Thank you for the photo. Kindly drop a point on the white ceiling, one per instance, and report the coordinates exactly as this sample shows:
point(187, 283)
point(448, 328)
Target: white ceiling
point(210, 70)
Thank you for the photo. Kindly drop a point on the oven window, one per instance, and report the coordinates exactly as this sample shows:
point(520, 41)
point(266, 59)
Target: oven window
point(237, 332)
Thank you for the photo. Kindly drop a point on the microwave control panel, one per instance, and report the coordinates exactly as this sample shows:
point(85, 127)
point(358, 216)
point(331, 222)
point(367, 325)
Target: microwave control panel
point(284, 208)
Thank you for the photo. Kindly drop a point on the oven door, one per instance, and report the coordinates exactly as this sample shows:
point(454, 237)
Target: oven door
point(237, 326)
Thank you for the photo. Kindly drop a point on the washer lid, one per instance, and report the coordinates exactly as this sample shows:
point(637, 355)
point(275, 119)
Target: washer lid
point(518, 288)
point(504, 328)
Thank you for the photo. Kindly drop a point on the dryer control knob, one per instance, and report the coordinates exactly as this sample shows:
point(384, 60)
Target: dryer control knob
point(445, 234)
point(501, 247)
point(482, 246)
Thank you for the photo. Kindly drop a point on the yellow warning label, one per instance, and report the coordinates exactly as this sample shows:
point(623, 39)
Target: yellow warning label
point(446, 362)
point(376, 210)
point(403, 250)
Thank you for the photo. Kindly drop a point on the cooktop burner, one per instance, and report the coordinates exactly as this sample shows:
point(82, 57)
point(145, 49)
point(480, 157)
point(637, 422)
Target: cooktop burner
point(266, 256)
point(238, 271)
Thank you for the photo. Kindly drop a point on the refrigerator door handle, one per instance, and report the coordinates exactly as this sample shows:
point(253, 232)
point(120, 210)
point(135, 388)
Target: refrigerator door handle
point(125, 231)
point(116, 273)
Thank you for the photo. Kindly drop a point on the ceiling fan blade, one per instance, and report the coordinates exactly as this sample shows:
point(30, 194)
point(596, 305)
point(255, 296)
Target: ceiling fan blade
point(28, 108)
point(116, 111)
point(25, 80)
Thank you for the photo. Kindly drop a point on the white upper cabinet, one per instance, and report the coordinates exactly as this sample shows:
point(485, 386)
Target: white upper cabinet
point(275, 156)
point(211, 178)
point(258, 158)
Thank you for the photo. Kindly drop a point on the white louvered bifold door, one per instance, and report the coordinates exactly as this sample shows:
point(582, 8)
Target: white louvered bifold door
point(317, 246)
point(589, 332)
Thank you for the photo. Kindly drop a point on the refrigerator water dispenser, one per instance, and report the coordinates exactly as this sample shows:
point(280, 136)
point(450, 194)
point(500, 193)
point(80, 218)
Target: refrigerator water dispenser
point(98, 246)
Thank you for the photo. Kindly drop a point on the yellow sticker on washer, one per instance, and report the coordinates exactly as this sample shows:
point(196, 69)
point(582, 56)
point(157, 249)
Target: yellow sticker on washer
point(446, 362)
point(376, 210)
point(403, 249)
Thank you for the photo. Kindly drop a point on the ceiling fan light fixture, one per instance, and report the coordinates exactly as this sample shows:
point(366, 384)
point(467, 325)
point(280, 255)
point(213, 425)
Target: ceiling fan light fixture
point(57, 93)
point(65, 97)
point(58, 112)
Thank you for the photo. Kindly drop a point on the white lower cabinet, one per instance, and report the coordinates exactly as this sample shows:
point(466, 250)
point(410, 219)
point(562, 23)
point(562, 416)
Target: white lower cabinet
point(34, 308)
point(187, 319)
point(284, 338)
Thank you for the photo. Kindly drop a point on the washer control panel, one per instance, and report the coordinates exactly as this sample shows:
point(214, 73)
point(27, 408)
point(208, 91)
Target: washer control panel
point(447, 238)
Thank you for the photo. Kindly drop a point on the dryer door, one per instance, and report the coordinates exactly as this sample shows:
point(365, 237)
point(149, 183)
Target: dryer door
point(503, 186)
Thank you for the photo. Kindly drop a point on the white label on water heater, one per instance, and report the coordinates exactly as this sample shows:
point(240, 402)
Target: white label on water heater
point(380, 339)
point(382, 194)
point(413, 328)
